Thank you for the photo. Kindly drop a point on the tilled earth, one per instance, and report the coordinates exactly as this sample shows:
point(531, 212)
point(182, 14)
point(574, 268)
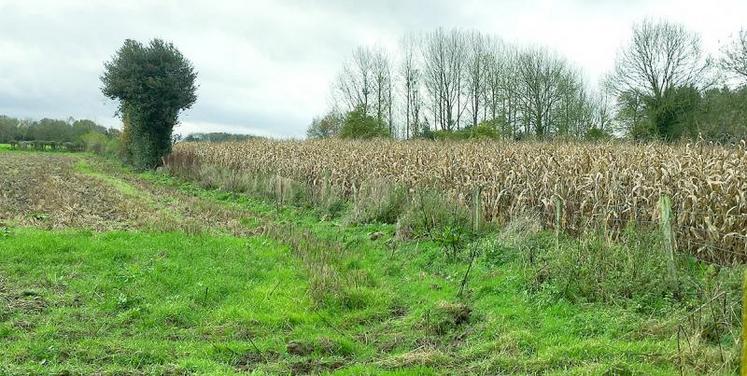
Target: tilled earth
point(43, 190)
point(52, 191)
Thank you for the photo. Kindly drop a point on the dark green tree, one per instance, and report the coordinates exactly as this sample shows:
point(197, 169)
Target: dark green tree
point(358, 124)
point(9, 130)
point(153, 84)
point(723, 115)
point(674, 114)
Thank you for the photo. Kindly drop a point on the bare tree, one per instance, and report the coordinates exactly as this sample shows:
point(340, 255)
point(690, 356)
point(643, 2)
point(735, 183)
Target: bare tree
point(355, 81)
point(381, 72)
point(734, 58)
point(410, 75)
point(366, 82)
point(602, 111)
point(573, 114)
point(444, 57)
point(448, 79)
point(661, 55)
point(544, 81)
point(478, 60)
point(507, 83)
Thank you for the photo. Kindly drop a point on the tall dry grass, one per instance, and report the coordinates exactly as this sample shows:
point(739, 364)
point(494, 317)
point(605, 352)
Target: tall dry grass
point(597, 185)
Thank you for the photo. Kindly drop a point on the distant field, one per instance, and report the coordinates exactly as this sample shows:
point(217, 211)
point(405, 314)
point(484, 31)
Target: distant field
point(103, 271)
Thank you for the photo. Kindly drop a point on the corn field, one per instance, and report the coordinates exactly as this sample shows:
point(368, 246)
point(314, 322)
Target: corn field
point(587, 186)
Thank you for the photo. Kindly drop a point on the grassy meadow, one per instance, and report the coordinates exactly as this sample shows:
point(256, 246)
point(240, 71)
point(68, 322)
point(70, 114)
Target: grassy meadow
point(107, 271)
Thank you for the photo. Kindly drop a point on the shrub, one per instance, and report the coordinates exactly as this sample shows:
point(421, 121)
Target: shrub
point(378, 202)
point(428, 212)
point(358, 124)
point(634, 270)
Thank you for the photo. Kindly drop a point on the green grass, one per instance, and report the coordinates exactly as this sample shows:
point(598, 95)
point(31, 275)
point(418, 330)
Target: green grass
point(80, 302)
point(85, 303)
point(4, 147)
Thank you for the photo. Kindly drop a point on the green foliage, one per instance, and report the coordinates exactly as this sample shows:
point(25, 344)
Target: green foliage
point(723, 115)
point(452, 239)
point(153, 84)
point(378, 202)
point(326, 127)
point(593, 270)
point(686, 113)
point(100, 144)
point(673, 115)
point(487, 130)
point(596, 134)
point(51, 130)
point(429, 212)
point(359, 125)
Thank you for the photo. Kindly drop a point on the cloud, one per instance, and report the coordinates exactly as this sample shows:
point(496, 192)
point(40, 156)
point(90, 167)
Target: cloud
point(265, 67)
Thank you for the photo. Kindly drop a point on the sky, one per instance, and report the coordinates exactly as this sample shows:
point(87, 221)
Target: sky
point(266, 67)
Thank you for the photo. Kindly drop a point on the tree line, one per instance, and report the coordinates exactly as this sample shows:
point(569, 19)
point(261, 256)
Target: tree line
point(81, 134)
point(217, 137)
point(463, 84)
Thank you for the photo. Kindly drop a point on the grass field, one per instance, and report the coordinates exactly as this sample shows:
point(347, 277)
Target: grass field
point(127, 273)
point(4, 147)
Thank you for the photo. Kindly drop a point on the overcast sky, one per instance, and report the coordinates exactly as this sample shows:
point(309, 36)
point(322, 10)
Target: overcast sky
point(265, 67)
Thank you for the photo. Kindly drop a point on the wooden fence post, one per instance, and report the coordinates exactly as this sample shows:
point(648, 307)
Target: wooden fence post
point(477, 209)
point(558, 220)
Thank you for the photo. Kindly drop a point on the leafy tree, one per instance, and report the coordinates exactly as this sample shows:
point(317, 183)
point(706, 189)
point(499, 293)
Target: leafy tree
point(95, 142)
point(489, 129)
point(81, 127)
point(656, 76)
point(358, 124)
point(9, 130)
point(597, 134)
point(153, 84)
point(722, 115)
point(51, 130)
point(77, 132)
point(674, 114)
point(668, 117)
point(326, 127)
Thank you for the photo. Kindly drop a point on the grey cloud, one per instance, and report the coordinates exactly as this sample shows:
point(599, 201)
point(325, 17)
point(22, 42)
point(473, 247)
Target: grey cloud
point(266, 66)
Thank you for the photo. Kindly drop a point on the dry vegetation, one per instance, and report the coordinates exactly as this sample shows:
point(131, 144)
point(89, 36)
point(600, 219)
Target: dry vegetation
point(54, 191)
point(331, 296)
point(44, 191)
point(599, 185)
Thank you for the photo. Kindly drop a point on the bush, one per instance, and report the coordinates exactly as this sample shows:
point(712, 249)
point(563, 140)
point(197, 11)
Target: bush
point(378, 202)
point(593, 270)
point(487, 130)
point(596, 134)
point(428, 212)
point(358, 124)
point(631, 270)
point(99, 143)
